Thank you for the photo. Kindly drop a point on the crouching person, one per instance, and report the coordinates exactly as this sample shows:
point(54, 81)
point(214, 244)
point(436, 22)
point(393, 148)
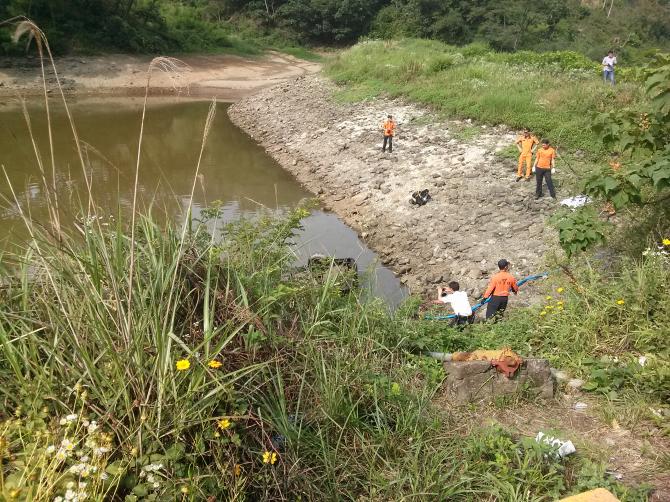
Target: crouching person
point(459, 302)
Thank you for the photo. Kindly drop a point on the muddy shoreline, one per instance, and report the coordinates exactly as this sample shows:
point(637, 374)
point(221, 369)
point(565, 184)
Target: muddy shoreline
point(478, 213)
point(224, 76)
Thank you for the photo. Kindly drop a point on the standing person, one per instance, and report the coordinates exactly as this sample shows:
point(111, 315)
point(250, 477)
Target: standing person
point(608, 67)
point(544, 163)
point(388, 127)
point(498, 290)
point(526, 144)
point(458, 301)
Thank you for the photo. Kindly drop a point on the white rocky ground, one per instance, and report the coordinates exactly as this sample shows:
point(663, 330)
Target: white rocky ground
point(478, 214)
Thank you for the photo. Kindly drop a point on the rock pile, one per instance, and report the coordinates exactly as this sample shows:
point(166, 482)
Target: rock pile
point(477, 215)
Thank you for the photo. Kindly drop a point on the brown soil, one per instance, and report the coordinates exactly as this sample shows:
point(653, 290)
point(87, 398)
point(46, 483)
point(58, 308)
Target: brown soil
point(223, 76)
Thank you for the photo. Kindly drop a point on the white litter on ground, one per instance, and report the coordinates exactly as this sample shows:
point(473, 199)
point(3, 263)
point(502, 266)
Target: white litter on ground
point(576, 201)
point(562, 448)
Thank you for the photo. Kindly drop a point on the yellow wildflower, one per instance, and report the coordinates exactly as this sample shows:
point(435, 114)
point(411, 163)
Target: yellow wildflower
point(549, 307)
point(223, 424)
point(269, 458)
point(217, 435)
point(666, 242)
point(214, 364)
point(560, 290)
point(184, 490)
point(14, 493)
point(543, 313)
point(183, 364)
point(548, 297)
point(559, 303)
point(620, 302)
point(559, 308)
point(237, 470)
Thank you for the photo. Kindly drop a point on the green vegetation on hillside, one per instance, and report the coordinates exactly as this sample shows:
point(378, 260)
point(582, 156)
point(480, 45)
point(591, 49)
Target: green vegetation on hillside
point(555, 94)
point(633, 28)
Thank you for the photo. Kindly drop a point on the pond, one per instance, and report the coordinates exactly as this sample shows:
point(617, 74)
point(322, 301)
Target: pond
point(235, 172)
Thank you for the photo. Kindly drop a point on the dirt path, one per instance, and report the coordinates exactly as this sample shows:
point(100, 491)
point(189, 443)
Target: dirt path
point(227, 77)
point(478, 214)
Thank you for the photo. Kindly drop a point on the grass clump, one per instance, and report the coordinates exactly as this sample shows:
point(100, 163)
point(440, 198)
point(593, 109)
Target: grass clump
point(553, 93)
point(228, 375)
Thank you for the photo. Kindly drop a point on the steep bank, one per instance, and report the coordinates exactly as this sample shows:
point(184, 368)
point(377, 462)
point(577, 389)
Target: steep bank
point(478, 214)
point(222, 75)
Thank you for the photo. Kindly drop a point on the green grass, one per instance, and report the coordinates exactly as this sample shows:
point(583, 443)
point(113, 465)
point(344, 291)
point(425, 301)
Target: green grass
point(332, 385)
point(554, 93)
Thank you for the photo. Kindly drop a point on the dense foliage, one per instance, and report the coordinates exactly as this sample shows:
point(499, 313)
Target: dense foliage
point(155, 25)
point(638, 176)
point(228, 374)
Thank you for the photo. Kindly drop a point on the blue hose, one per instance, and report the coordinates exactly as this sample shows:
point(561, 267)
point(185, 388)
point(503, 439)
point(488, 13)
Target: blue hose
point(430, 317)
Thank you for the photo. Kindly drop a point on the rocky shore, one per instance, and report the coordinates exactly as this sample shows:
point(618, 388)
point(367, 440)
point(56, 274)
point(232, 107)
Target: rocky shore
point(477, 215)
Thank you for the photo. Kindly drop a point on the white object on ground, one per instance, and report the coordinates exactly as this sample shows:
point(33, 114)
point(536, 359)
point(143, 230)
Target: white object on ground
point(576, 383)
point(642, 360)
point(576, 201)
point(580, 406)
point(559, 375)
point(563, 448)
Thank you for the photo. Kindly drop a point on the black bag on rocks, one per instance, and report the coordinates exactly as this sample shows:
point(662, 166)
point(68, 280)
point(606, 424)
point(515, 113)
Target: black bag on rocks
point(420, 198)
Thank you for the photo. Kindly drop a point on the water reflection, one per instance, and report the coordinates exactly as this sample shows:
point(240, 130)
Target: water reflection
point(234, 170)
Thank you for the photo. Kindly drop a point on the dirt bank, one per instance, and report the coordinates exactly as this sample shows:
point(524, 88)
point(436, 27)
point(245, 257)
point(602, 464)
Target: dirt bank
point(225, 76)
point(478, 214)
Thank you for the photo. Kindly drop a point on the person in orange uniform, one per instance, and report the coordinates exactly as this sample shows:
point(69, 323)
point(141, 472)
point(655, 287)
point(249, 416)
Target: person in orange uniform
point(544, 163)
point(388, 127)
point(498, 290)
point(526, 144)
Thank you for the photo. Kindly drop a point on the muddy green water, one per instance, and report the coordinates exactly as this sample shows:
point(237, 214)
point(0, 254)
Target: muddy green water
point(234, 171)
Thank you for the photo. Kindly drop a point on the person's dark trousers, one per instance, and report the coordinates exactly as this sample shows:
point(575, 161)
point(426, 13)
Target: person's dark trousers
point(540, 175)
point(460, 321)
point(389, 140)
point(496, 307)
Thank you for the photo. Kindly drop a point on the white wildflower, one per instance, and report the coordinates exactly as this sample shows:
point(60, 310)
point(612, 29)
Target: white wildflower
point(71, 418)
point(51, 449)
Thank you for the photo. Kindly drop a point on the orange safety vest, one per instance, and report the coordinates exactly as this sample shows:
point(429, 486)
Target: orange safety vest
point(544, 157)
point(500, 285)
point(389, 128)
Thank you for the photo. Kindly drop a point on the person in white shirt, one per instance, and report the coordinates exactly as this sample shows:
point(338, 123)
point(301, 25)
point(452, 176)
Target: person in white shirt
point(608, 67)
point(458, 301)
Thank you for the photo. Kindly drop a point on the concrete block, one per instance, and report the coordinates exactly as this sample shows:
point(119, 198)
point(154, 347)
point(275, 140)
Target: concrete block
point(478, 381)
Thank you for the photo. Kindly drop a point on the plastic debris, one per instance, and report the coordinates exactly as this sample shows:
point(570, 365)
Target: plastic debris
point(616, 475)
point(576, 201)
point(562, 448)
point(580, 406)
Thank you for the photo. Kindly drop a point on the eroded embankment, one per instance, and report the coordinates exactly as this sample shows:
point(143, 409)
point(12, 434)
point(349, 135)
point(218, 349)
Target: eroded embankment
point(478, 214)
